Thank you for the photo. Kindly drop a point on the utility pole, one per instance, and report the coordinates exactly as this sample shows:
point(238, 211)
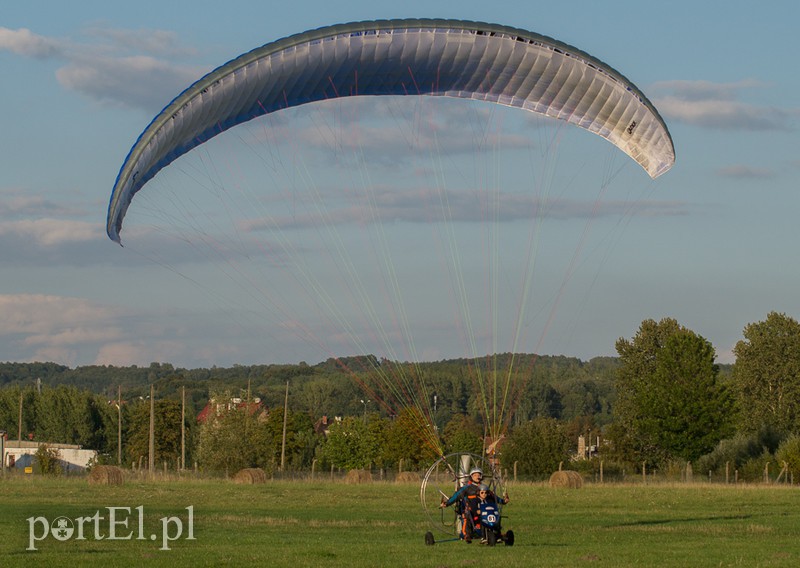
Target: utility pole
point(183, 428)
point(151, 466)
point(119, 425)
point(19, 423)
point(247, 411)
point(285, 416)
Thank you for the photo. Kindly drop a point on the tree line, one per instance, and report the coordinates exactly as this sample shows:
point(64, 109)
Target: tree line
point(674, 406)
point(81, 406)
point(663, 402)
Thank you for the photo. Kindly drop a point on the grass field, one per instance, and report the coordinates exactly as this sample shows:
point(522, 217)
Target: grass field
point(298, 524)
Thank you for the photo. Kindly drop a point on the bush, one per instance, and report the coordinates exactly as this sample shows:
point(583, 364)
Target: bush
point(789, 452)
point(753, 469)
point(590, 469)
point(538, 447)
point(739, 451)
point(48, 460)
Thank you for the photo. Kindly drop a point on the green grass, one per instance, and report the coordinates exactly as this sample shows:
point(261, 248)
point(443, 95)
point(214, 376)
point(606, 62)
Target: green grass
point(301, 524)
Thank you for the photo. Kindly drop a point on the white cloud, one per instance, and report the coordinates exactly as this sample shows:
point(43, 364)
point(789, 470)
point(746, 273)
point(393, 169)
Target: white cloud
point(741, 171)
point(37, 315)
point(130, 67)
point(123, 353)
point(51, 232)
point(138, 81)
point(54, 328)
point(718, 106)
point(155, 42)
point(17, 204)
point(705, 90)
point(394, 132)
point(77, 331)
point(724, 114)
point(70, 331)
point(387, 204)
point(13, 204)
point(28, 44)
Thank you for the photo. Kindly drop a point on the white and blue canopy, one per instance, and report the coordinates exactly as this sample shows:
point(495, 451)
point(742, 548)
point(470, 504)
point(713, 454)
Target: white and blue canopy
point(449, 58)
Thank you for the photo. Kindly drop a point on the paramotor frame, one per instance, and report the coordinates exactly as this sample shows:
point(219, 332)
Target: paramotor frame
point(444, 477)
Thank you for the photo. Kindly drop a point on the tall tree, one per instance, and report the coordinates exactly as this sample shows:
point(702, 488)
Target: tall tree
point(463, 434)
point(767, 374)
point(64, 414)
point(537, 447)
point(167, 431)
point(234, 439)
point(354, 444)
point(403, 441)
point(670, 404)
point(298, 426)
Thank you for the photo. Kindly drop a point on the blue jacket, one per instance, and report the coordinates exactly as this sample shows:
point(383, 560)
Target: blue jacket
point(468, 491)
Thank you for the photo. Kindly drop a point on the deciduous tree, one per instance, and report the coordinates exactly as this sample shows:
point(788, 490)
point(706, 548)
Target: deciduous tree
point(463, 434)
point(234, 439)
point(767, 374)
point(670, 404)
point(354, 444)
point(167, 431)
point(538, 447)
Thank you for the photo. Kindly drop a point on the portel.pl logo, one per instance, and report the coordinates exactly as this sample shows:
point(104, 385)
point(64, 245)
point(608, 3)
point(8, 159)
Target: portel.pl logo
point(117, 524)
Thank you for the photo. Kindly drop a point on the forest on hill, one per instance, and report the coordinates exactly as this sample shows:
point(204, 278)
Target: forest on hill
point(560, 387)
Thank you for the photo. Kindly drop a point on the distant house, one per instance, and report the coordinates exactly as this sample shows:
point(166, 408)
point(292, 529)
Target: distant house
point(215, 408)
point(586, 450)
point(20, 455)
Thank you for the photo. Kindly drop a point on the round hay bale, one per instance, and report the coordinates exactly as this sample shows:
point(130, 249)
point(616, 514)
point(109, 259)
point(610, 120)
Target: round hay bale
point(566, 478)
point(407, 477)
point(106, 475)
point(358, 476)
point(250, 476)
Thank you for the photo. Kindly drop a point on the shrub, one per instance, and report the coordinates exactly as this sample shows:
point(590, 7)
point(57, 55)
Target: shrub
point(739, 451)
point(753, 469)
point(789, 452)
point(48, 460)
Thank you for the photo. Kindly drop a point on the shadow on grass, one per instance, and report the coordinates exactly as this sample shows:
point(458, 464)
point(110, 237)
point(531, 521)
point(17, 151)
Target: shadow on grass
point(683, 520)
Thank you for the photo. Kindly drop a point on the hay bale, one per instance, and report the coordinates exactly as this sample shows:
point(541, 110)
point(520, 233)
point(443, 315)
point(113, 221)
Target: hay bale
point(407, 477)
point(250, 476)
point(358, 476)
point(566, 478)
point(106, 475)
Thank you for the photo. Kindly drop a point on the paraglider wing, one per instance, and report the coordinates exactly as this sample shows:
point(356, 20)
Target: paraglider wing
point(401, 57)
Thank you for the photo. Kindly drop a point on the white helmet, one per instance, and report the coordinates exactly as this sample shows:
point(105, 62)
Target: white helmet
point(475, 470)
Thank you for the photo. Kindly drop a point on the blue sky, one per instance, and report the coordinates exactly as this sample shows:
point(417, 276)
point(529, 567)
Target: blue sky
point(711, 243)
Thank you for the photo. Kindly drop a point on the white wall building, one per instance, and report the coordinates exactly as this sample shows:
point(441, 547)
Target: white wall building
point(21, 455)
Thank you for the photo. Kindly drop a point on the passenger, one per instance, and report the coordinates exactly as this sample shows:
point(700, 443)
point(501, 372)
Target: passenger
point(486, 495)
point(488, 518)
